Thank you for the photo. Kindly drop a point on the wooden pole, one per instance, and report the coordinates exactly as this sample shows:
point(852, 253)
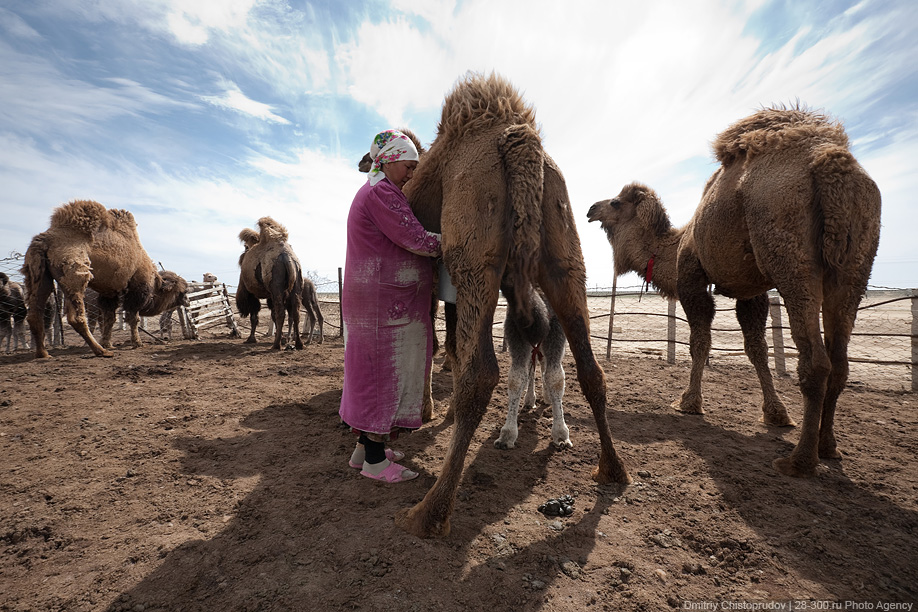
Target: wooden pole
point(777, 334)
point(611, 317)
point(340, 293)
point(914, 339)
point(671, 332)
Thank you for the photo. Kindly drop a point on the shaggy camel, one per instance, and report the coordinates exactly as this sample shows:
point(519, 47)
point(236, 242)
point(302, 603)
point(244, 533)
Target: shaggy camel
point(502, 207)
point(541, 342)
point(313, 312)
point(88, 245)
point(270, 269)
point(789, 208)
point(12, 314)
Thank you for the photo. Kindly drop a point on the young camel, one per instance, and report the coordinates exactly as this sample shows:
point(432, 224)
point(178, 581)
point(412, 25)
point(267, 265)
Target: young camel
point(12, 314)
point(789, 208)
point(88, 245)
point(270, 269)
point(313, 312)
point(502, 207)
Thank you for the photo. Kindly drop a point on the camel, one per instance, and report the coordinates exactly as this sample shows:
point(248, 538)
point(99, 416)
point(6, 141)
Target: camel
point(313, 312)
point(790, 208)
point(502, 208)
point(12, 314)
point(540, 343)
point(88, 245)
point(270, 269)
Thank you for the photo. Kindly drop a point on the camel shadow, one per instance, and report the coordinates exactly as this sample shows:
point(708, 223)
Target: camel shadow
point(305, 527)
point(834, 531)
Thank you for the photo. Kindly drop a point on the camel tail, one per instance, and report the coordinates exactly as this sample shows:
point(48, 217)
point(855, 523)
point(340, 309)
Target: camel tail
point(850, 204)
point(521, 152)
point(35, 268)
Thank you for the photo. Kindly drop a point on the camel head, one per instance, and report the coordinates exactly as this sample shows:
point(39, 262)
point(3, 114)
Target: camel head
point(4, 285)
point(635, 204)
point(170, 292)
point(210, 278)
point(366, 161)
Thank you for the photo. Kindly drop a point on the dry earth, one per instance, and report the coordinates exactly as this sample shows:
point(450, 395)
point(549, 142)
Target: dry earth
point(212, 475)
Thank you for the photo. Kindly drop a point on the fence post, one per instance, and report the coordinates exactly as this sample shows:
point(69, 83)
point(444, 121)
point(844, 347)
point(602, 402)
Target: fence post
point(671, 332)
point(340, 294)
point(914, 339)
point(611, 318)
point(777, 334)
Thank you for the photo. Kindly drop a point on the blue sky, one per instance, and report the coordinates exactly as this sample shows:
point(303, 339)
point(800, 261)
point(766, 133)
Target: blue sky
point(201, 117)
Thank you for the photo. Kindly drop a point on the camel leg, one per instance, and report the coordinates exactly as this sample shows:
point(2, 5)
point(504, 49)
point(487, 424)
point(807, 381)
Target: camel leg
point(133, 321)
point(41, 290)
point(276, 306)
point(293, 311)
point(107, 309)
point(553, 391)
point(567, 297)
point(839, 311)
point(521, 376)
point(752, 315)
point(76, 316)
point(813, 371)
point(698, 306)
point(475, 379)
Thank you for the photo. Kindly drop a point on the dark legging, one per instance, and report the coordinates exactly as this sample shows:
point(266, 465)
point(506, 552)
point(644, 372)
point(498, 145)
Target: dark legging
point(376, 451)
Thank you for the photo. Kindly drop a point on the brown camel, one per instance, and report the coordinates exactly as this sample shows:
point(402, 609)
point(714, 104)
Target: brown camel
point(12, 314)
point(313, 312)
point(270, 269)
point(789, 208)
point(503, 210)
point(88, 245)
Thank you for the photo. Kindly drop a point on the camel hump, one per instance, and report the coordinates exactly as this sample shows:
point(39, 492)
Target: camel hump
point(478, 102)
point(520, 149)
point(248, 237)
point(85, 216)
point(775, 129)
point(850, 204)
point(271, 230)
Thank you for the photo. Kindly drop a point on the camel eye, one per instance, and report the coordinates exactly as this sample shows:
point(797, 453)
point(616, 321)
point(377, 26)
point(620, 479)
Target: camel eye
point(615, 203)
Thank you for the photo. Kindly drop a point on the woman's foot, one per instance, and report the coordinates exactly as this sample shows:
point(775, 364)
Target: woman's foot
point(387, 471)
point(360, 454)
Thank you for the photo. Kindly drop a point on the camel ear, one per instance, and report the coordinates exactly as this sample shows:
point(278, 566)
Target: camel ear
point(651, 214)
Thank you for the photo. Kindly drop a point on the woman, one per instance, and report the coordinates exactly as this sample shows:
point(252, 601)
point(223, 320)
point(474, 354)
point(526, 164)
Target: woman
point(386, 308)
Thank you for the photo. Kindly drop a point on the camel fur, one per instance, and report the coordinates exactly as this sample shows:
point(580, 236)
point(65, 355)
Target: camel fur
point(12, 314)
point(269, 269)
point(88, 245)
point(540, 343)
point(502, 208)
point(789, 208)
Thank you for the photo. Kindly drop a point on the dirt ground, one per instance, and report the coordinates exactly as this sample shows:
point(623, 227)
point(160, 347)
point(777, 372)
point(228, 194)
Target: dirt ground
point(212, 475)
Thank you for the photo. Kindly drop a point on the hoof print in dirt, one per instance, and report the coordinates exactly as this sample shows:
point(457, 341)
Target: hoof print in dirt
point(563, 506)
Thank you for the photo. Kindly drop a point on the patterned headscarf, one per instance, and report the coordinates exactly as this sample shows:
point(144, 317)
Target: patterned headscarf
point(390, 146)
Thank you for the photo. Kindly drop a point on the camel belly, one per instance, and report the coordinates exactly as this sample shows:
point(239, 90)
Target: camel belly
point(724, 250)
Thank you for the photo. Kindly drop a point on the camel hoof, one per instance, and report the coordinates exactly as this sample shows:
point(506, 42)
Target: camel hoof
point(778, 420)
point(789, 467)
point(250, 341)
point(830, 454)
point(502, 445)
point(604, 478)
point(563, 444)
point(678, 407)
point(407, 519)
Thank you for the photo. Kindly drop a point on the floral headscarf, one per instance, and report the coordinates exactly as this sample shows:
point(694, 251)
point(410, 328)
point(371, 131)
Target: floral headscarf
point(390, 146)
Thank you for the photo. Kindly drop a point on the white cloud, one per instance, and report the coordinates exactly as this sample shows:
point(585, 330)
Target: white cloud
point(234, 99)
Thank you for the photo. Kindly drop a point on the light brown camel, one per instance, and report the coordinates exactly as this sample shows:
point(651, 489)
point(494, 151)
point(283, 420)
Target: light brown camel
point(503, 210)
point(270, 269)
point(88, 245)
point(789, 208)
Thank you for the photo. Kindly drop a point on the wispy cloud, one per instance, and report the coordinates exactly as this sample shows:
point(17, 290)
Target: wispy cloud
point(234, 99)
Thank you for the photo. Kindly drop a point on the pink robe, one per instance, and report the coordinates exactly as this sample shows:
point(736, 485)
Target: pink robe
point(388, 335)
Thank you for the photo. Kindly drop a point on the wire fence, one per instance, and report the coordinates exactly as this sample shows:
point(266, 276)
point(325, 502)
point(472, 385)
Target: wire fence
point(883, 351)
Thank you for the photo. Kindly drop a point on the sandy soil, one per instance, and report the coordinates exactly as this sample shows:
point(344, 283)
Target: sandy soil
point(212, 475)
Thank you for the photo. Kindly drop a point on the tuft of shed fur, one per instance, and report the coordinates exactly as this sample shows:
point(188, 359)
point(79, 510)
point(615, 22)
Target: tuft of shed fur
point(478, 102)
